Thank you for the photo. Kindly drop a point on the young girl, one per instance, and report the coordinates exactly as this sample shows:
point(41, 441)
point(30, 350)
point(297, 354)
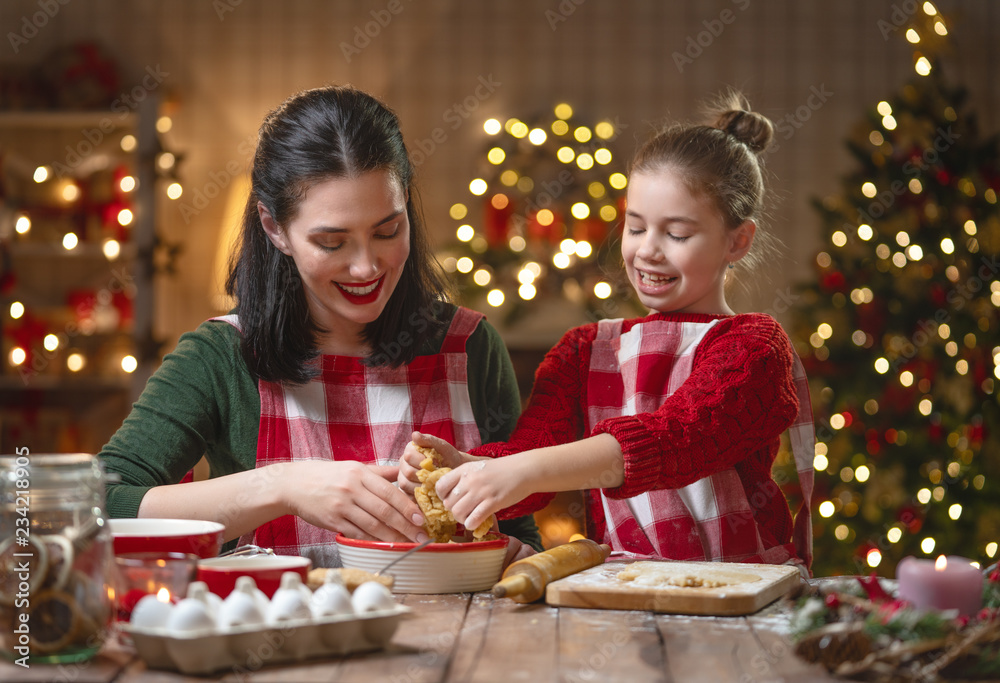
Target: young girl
point(673, 420)
point(340, 345)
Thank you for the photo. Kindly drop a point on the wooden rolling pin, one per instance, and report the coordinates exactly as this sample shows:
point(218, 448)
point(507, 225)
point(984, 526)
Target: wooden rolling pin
point(525, 580)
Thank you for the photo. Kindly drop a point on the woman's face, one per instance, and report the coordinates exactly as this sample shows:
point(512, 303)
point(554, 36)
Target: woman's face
point(350, 240)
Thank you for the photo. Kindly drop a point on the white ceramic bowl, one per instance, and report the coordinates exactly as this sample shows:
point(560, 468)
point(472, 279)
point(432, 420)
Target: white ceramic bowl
point(438, 568)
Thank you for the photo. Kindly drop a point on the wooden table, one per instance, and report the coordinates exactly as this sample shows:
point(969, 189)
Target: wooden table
point(474, 637)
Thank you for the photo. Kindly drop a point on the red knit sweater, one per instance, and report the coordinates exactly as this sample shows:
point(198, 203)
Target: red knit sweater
point(729, 413)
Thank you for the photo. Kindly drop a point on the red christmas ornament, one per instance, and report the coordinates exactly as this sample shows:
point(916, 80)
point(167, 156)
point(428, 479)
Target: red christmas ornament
point(28, 334)
point(123, 304)
point(833, 281)
point(496, 216)
point(83, 302)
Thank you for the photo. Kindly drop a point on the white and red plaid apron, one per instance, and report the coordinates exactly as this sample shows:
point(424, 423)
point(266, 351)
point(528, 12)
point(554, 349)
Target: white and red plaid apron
point(355, 412)
point(711, 519)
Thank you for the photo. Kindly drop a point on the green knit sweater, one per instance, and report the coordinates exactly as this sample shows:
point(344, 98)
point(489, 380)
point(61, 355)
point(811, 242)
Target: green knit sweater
point(203, 401)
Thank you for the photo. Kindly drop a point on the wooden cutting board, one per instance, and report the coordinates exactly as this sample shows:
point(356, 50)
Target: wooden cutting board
point(749, 587)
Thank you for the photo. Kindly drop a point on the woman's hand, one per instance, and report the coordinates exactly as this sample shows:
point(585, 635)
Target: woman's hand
point(358, 500)
point(516, 551)
point(410, 461)
point(478, 489)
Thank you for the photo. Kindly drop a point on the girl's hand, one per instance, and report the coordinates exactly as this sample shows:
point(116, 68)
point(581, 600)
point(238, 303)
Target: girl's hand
point(410, 461)
point(358, 500)
point(478, 489)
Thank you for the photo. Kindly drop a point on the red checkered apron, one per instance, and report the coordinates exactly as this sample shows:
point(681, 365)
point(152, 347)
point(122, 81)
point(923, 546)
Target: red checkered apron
point(712, 518)
point(355, 412)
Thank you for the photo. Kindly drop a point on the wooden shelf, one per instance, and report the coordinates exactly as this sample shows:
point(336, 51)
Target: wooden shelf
point(104, 119)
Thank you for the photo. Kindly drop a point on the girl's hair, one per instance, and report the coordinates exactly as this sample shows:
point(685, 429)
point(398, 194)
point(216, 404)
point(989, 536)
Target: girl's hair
point(316, 135)
point(721, 160)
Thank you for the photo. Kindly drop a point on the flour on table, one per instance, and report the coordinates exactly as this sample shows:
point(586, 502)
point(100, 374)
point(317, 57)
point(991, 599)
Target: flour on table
point(682, 574)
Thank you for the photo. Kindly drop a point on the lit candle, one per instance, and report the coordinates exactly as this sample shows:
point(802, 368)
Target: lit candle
point(945, 584)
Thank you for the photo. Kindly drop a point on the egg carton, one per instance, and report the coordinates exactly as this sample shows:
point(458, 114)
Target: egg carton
point(248, 649)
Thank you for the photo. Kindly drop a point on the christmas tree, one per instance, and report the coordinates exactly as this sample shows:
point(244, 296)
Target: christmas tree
point(899, 333)
point(539, 222)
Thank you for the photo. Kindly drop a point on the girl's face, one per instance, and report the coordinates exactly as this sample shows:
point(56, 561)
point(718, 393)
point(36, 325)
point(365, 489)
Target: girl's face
point(676, 246)
point(350, 240)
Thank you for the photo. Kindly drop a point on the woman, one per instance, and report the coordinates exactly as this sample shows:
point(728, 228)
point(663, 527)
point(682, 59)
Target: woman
point(340, 345)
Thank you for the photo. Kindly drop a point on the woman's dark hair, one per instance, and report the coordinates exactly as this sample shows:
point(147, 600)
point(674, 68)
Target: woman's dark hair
point(721, 160)
point(315, 135)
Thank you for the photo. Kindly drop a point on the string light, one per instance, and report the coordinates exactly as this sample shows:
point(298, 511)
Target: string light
point(492, 126)
point(75, 362)
point(495, 298)
point(16, 310)
point(129, 364)
point(563, 110)
point(22, 225)
point(174, 190)
point(70, 241)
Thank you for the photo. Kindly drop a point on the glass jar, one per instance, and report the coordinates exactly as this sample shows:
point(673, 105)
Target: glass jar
point(55, 558)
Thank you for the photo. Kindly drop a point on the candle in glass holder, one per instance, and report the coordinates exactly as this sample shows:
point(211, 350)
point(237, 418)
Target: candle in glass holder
point(945, 584)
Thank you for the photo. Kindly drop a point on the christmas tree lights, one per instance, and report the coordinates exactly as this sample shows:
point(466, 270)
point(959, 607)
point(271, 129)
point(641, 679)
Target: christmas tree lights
point(900, 335)
point(538, 221)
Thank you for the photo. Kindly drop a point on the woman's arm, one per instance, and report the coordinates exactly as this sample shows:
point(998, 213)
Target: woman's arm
point(355, 499)
point(202, 400)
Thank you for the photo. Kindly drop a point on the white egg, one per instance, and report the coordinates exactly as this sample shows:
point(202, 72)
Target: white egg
point(289, 603)
point(239, 609)
point(248, 585)
point(190, 617)
point(331, 600)
point(372, 596)
point(199, 591)
point(150, 613)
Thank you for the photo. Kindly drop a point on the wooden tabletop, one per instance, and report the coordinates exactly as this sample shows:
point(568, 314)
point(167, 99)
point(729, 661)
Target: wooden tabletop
point(475, 637)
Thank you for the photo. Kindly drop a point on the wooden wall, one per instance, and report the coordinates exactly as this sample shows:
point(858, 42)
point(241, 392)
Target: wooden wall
point(227, 62)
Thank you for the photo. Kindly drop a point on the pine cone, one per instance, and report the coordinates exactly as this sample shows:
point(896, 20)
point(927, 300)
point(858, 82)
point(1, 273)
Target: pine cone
point(833, 645)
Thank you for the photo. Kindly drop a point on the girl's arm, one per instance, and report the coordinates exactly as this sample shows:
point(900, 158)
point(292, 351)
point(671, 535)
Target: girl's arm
point(475, 490)
point(738, 397)
point(553, 416)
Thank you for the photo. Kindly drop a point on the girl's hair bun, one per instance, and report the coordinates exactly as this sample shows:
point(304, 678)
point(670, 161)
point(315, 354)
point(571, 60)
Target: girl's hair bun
point(732, 114)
